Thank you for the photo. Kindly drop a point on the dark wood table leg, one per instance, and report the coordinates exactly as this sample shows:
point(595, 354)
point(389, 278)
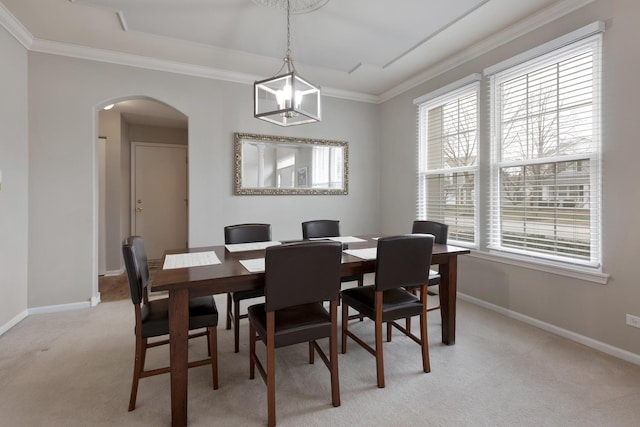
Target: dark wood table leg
point(179, 332)
point(448, 291)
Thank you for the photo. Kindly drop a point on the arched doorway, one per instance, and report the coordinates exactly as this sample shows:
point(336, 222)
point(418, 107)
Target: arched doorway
point(145, 149)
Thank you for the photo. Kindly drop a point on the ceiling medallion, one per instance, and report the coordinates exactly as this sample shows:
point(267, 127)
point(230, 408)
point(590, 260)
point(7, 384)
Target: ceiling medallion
point(297, 6)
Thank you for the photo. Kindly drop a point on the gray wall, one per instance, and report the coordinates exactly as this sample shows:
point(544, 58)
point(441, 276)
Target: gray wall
point(64, 95)
point(592, 310)
point(158, 134)
point(13, 195)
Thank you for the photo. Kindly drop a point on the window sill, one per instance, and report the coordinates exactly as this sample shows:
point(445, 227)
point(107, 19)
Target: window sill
point(548, 267)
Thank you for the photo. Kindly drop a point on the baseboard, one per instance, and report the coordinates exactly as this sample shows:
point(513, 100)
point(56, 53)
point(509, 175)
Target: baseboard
point(114, 272)
point(589, 342)
point(95, 300)
point(60, 307)
point(13, 322)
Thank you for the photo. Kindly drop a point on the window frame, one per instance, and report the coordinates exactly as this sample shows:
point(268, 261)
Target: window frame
point(484, 181)
point(592, 43)
point(456, 90)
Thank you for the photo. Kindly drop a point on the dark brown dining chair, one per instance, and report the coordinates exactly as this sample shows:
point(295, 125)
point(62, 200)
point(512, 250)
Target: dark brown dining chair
point(440, 231)
point(242, 233)
point(401, 261)
point(152, 318)
point(320, 228)
point(299, 277)
point(327, 228)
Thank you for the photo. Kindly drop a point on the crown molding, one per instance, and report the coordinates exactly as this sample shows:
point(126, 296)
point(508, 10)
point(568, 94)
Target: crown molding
point(112, 57)
point(138, 61)
point(17, 30)
point(509, 34)
point(15, 27)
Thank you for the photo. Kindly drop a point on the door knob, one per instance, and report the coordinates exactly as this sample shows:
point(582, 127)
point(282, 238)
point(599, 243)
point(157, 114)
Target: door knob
point(138, 209)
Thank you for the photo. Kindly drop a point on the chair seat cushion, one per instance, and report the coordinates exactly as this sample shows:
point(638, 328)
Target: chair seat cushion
point(350, 279)
point(396, 303)
point(434, 279)
point(242, 295)
point(293, 325)
point(155, 315)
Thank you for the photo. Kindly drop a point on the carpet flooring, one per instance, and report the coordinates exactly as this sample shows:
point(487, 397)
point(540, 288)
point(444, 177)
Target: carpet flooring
point(74, 368)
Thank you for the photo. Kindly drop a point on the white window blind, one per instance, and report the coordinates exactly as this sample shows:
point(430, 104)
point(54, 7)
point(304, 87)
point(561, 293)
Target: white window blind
point(327, 169)
point(447, 162)
point(545, 166)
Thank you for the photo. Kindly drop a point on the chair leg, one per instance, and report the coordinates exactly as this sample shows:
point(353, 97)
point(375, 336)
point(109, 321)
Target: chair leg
point(138, 367)
point(389, 329)
point(345, 322)
point(378, 331)
point(361, 283)
point(212, 338)
point(426, 366)
point(333, 349)
point(252, 351)
point(229, 312)
point(236, 326)
point(271, 368)
point(311, 353)
point(408, 319)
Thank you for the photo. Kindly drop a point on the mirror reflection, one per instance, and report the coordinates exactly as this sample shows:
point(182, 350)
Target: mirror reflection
point(285, 165)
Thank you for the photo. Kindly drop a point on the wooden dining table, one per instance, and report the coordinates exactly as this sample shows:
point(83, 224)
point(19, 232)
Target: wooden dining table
point(230, 276)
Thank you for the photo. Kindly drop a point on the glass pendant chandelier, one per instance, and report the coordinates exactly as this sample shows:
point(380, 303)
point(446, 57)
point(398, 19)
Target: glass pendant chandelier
point(287, 99)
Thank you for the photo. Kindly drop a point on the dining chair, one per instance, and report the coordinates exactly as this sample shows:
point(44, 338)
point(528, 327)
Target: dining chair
point(440, 231)
point(242, 233)
point(401, 261)
point(320, 228)
point(152, 318)
point(327, 228)
point(299, 278)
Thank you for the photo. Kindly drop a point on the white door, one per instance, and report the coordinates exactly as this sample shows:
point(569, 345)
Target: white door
point(159, 201)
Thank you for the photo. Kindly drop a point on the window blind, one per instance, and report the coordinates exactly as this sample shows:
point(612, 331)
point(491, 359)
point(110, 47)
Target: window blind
point(545, 167)
point(447, 162)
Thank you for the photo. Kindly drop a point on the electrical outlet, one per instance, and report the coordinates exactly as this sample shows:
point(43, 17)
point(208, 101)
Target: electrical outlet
point(633, 321)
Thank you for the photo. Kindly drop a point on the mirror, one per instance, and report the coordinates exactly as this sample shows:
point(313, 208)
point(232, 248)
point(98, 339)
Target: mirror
point(270, 165)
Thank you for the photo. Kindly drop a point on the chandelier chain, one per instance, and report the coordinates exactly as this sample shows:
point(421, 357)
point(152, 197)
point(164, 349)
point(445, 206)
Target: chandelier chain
point(288, 55)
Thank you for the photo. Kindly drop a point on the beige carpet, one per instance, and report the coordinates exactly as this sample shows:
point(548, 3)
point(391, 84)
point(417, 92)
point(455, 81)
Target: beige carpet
point(74, 369)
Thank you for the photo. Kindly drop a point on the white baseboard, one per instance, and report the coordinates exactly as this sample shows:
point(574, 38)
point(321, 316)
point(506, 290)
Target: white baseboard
point(589, 342)
point(60, 307)
point(95, 300)
point(49, 309)
point(114, 272)
point(13, 322)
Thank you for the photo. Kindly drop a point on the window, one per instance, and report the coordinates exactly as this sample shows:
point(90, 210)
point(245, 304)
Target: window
point(523, 186)
point(447, 159)
point(327, 169)
point(545, 151)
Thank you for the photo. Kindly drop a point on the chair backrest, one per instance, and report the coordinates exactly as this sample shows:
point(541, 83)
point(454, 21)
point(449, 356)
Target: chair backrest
point(135, 261)
point(320, 228)
point(247, 233)
point(403, 261)
point(438, 229)
point(301, 273)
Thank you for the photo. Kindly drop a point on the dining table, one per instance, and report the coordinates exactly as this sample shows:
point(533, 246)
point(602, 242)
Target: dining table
point(229, 275)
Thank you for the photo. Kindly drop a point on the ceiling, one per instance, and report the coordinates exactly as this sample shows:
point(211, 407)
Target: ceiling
point(368, 50)
point(148, 112)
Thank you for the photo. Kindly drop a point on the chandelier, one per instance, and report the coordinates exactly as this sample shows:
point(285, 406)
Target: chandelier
point(287, 99)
